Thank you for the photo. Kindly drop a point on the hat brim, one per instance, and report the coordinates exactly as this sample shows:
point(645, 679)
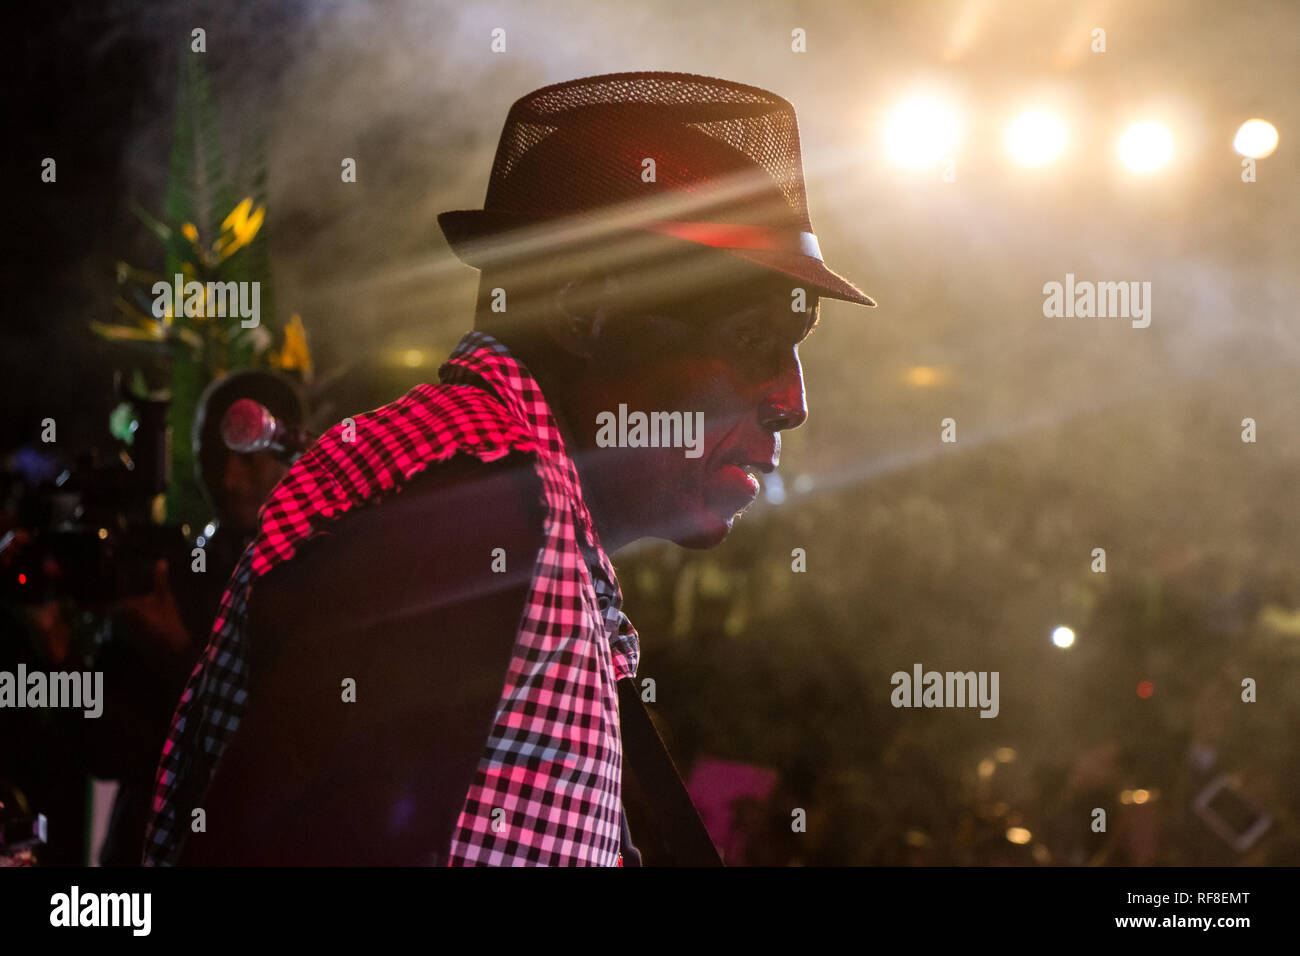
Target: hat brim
point(482, 238)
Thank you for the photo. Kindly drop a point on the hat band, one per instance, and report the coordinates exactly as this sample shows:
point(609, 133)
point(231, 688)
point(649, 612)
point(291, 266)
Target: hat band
point(723, 235)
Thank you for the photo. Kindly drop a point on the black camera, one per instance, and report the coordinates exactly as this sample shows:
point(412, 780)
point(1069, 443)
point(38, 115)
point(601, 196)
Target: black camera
point(90, 533)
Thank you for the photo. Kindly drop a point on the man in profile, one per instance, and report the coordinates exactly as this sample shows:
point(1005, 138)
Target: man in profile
point(422, 658)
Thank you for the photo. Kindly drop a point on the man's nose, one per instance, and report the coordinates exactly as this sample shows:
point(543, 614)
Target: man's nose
point(784, 404)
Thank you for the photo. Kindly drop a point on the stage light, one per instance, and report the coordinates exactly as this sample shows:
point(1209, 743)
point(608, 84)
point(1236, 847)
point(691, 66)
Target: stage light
point(1256, 138)
point(774, 488)
point(921, 132)
point(922, 376)
point(1141, 796)
point(1035, 138)
point(1063, 637)
point(1019, 835)
point(1146, 146)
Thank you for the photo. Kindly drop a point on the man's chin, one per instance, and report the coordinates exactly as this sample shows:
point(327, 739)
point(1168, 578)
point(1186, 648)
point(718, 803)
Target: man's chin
point(702, 541)
point(708, 531)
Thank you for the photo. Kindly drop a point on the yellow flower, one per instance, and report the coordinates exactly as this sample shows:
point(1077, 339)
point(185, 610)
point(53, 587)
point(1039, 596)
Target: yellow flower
point(189, 232)
point(239, 228)
point(295, 354)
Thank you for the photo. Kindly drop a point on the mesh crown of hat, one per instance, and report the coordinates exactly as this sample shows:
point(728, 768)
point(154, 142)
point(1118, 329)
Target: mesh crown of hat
point(752, 121)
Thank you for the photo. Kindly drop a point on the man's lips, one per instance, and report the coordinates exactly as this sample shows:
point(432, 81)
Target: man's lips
point(739, 479)
point(764, 464)
point(735, 483)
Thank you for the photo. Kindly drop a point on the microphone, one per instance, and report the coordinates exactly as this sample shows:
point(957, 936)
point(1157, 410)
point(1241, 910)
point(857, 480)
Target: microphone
point(248, 427)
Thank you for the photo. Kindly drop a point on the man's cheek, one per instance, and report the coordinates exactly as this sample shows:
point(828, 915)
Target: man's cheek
point(722, 415)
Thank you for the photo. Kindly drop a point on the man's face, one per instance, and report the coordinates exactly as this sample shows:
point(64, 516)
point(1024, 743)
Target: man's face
point(244, 483)
point(730, 353)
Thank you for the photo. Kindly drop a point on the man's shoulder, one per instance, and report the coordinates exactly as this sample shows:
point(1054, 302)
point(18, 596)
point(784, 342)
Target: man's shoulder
point(459, 530)
point(428, 436)
point(430, 422)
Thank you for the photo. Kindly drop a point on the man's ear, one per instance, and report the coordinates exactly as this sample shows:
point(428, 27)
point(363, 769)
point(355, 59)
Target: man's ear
point(582, 304)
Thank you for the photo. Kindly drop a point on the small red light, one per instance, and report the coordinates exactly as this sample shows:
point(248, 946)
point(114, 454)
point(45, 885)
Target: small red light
point(22, 579)
point(1146, 689)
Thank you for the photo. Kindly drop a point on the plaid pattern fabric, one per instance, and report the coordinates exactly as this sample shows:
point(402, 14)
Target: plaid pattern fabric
point(547, 787)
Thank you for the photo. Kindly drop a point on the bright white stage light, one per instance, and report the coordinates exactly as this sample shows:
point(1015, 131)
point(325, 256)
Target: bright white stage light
point(1035, 138)
point(1146, 146)
point(1063, 637)
point(921, 132)
point(1257, 138)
